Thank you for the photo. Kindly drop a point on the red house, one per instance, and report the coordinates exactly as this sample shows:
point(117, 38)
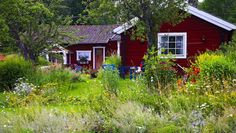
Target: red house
point(197, 33)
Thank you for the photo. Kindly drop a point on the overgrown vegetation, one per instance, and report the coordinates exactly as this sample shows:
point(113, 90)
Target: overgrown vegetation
point(159, 73)
point(11, 69)
point(57, 99)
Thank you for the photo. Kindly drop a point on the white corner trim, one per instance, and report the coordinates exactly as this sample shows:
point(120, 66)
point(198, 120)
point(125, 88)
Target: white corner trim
point(83, 51)
point(94, 58)
point(118, 48)
point(184, 34)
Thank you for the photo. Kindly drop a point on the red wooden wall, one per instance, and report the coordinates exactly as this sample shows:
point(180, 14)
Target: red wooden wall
point(133, 50)
point(110, 48)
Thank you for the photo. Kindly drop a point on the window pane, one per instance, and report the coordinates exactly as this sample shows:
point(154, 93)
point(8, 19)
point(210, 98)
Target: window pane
point(164, 45)
point(179, 45)
point(179, 39)
point(179, 51)
point(164, 39)
point(172, 45)
point(172, 39)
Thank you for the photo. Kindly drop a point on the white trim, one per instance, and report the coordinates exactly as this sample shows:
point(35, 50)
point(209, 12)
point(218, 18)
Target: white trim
point(118, 48)
point(184, 34)
point(191, 10)
point(126, 26)
point(83, 51)
point(61, 48)
point(64, 58)
point(104, 56)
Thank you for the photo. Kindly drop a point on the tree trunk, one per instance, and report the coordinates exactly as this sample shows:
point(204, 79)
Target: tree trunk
point(21, 46)
point(151, 34)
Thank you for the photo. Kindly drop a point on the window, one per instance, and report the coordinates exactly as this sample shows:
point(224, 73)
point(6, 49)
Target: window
point(173, 43)
point(83, 55)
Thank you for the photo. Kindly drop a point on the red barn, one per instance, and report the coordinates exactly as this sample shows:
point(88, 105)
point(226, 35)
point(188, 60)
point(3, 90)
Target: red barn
point(197, 33)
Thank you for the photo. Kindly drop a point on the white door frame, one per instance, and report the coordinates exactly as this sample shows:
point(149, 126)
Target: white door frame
point(104, 55)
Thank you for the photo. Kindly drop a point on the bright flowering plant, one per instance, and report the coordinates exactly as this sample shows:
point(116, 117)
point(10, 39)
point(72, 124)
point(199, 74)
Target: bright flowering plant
point(193, 73)
point(23, 87)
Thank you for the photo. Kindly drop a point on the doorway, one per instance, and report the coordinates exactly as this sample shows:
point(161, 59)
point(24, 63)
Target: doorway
point(98, 57)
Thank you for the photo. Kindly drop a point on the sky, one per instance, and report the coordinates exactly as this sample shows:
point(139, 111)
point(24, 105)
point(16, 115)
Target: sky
point(200, 0)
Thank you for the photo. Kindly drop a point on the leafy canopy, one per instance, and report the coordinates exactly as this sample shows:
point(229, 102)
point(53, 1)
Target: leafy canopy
point(225, 9)
point(32, 25)
point(151, 13)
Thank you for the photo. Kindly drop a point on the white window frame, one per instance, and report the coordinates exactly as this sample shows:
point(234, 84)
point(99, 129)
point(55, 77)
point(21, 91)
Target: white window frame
point(184, 34)
point(83, 51)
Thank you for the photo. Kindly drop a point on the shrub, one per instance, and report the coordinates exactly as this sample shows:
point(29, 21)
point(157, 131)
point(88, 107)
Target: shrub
point(42, 61)
point(110, 80)
point(134, 117)
point(159, 71)
point(13, 68)
point(228, 49)
point(113, 59)
point(55, 73)
point(215, 66)
point(48, 121)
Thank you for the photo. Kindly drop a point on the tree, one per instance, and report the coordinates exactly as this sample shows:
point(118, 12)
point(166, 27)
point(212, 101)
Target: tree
point(75, 7)
point(193, 3)
point(225, 9)
point(99, 12)
point(151, 13)
point(33, 25)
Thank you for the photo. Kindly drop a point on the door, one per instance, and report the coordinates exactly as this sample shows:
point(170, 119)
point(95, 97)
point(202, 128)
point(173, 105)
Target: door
point(99, 57)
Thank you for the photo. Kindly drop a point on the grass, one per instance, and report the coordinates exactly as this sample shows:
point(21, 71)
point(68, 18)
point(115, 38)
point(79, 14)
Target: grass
point(88, 101)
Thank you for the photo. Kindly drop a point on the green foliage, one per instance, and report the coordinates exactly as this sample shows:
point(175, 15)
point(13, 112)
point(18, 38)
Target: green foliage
point(215, 66)
point(31, 24)
point(55, 74)
point(159, 72)
point(42, 61)
point(225, 9)
point(114, 59)
point(99, 12)
point(151, 14)
point(133, 117)
point(110, 79)
point(13, 68)
point(228, 49)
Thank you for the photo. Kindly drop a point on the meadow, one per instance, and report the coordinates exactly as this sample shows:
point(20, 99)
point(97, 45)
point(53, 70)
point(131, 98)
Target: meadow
point(57, 99)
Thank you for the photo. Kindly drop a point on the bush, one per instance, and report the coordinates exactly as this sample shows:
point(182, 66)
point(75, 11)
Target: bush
point(134, 117)
point(113, 59)
point(229, 49)
point(13, 68)
point(55, 73)
point(214, 66)
point(159, 71)
point(110, 80)
point(42, 61)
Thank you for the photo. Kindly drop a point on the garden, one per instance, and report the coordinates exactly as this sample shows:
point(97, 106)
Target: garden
point(54, 99)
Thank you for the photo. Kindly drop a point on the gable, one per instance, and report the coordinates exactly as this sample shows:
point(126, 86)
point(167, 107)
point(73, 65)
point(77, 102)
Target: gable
point(191, 10)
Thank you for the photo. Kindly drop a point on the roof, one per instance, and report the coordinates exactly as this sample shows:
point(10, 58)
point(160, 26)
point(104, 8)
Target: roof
point(95, 34)
point(191, 10)
point(211, 19)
